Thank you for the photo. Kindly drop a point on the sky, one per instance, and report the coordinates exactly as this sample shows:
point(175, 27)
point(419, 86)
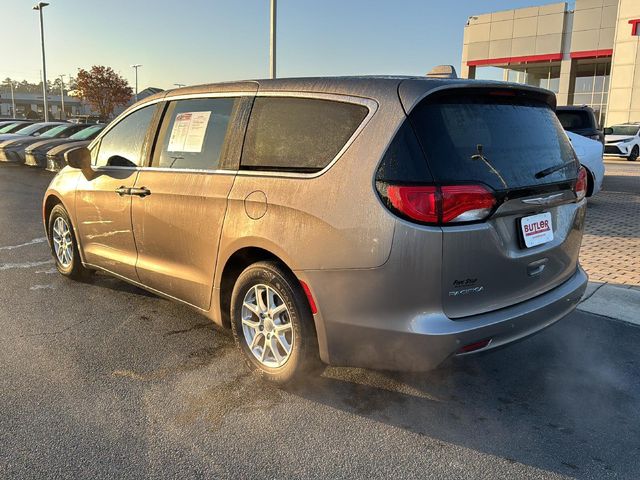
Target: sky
point(204, 41)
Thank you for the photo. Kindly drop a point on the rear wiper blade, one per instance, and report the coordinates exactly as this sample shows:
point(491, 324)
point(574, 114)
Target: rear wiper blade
point(548, 171)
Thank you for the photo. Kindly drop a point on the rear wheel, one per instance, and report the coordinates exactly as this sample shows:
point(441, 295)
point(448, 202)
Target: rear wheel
point(272, 323)
point(64, 246)
point(635, 152)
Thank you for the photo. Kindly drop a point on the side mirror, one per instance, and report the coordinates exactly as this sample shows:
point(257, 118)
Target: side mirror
point(608, 131)
point(79, 158)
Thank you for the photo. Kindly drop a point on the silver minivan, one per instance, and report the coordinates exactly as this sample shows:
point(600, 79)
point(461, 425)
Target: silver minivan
point(387, 222)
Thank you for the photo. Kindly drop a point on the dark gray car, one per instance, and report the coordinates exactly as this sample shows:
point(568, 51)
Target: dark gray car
point(13, 150)
point(35, 155)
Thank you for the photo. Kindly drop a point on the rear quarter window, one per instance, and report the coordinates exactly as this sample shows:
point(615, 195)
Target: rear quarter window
point(298, 134)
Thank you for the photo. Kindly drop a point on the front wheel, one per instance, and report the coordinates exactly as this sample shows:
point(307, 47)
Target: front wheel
point(272, 323)
point(64, 246)
point(635, 153)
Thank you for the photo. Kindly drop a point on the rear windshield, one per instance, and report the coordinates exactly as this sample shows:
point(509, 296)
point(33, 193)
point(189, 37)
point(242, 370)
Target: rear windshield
point(503, 142)
point(575, 119)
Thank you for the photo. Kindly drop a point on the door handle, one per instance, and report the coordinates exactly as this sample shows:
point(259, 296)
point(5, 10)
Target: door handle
point(140, 192)
point(123, 191)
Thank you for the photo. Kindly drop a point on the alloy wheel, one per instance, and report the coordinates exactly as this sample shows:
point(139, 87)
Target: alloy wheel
point(62, 242)
point(266, 325)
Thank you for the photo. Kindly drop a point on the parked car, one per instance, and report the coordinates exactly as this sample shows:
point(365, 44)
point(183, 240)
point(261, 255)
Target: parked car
point(55, 157)
point(590, 155)
point(32, 130)
point(581, 120)
point(623, 141)
point(12, 127)
point(375, 222)
point(36, 153)
point(13, 150)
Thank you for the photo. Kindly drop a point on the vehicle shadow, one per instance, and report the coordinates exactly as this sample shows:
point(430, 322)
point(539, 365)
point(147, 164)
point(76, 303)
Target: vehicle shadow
point(557, 401)
point(103, 280)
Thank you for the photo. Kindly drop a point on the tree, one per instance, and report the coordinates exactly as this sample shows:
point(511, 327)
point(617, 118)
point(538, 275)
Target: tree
point(103, 89)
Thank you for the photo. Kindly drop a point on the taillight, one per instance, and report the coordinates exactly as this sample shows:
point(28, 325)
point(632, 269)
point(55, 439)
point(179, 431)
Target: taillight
point(440, 204)
point(417, 203)
point(581, 184)
point(466, 203)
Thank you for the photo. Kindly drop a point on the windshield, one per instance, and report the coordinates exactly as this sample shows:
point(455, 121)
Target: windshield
point(87, 134)
point(7, 128)
point(628, 130)
point(502, 142)
point(31, 129)
point(54, 132)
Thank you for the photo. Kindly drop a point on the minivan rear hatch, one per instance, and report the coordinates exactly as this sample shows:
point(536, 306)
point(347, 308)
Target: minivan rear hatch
point(509, 141)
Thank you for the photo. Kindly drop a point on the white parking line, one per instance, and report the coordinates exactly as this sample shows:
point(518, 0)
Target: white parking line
point(10, 266)
point(30, 242)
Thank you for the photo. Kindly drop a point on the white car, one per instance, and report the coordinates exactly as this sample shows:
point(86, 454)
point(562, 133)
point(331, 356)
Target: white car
point(590, 155)
point(623, 141)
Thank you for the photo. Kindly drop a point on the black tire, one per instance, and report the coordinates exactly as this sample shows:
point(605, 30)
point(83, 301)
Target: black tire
point(635, 152)
point(74, 270)
point(590, 182)
point(304, 357)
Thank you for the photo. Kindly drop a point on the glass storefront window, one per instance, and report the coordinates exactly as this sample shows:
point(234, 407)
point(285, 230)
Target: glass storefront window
point(539, 76)
point(591, 86)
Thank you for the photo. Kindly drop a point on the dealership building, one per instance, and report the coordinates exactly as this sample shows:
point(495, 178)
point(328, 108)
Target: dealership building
point(588, 52)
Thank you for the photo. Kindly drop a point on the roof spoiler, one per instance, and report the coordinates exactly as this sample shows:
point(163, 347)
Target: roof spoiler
point(443, 71)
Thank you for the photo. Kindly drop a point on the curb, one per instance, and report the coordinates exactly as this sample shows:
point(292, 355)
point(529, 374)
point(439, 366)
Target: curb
point(619, 302)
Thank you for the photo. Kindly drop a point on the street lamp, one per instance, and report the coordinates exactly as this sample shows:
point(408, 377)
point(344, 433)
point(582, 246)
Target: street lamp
point(13, 99)
point(62, 98)
point(272, 42)
point(135, 67)
point(39, 6)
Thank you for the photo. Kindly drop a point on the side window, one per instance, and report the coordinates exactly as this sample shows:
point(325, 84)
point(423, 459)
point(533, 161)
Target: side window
point(122, 145)
point(193, 133)
point(298, 134)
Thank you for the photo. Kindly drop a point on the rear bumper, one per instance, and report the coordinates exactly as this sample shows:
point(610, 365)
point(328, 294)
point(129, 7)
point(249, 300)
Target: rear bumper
point(426, 340)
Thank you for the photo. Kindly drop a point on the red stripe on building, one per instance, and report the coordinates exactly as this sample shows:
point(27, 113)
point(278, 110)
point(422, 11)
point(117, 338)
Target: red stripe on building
point(592, 54)
point(550, 57)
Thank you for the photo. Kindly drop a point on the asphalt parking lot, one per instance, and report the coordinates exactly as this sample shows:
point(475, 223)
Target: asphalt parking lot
point(102, 380)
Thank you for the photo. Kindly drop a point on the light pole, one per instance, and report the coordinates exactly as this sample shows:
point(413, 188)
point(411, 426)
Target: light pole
point(272, 42)
point(62, 98)
point(135, 67)
point(13, 99)
point(39, 6)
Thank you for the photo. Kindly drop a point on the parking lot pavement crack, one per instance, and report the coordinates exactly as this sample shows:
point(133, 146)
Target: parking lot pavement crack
point(45, 334)
point(190, 329)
